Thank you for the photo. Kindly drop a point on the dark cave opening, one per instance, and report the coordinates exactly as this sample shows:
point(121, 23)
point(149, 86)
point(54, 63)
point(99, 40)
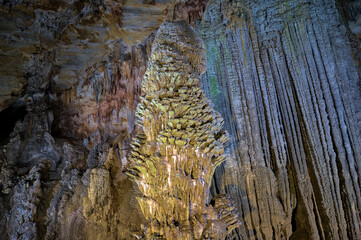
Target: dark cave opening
point(8, 119)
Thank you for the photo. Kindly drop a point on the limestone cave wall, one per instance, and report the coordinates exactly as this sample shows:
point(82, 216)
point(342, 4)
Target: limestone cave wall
point(284, 75)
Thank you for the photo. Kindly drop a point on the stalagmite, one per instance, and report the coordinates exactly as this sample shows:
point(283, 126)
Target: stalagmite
point(181, 143)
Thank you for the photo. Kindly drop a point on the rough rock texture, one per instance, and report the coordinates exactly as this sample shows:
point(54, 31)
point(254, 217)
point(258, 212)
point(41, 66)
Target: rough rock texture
point(352, 15)
point(181, 143)
point(78, 33)
point(70, 81)
point(58, 55)
point(284, 75)
point(352, 10)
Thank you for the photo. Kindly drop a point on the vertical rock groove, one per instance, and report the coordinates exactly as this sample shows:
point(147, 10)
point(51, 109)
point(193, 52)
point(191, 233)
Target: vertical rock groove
point(287, 72)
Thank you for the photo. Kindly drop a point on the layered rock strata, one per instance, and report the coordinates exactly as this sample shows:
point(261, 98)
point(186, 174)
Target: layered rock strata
point(181, 143)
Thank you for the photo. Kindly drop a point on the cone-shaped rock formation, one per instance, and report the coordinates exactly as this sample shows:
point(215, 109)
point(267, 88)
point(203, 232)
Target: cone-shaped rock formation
point(181, 144)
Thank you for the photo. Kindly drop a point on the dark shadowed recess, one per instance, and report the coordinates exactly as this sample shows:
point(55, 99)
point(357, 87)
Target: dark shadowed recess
point(8, 119)
point(351, 12)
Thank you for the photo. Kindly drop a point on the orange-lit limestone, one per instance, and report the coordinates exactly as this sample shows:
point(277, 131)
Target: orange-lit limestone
point(182, 142)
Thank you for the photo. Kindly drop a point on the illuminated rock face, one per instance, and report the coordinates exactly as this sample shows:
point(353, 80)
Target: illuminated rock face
point(181, 143)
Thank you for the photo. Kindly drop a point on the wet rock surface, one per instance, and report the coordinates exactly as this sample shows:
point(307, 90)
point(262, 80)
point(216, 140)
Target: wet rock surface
point(284, 75)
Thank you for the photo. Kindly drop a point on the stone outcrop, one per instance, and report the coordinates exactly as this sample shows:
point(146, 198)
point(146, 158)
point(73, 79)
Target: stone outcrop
point(110, 205)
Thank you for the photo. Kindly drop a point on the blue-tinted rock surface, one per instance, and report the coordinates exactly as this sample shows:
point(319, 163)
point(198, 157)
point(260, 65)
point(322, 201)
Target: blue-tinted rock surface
point(283, 76)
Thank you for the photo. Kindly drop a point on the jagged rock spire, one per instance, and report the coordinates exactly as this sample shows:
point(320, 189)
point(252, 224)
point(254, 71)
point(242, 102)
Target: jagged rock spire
point(181, 144)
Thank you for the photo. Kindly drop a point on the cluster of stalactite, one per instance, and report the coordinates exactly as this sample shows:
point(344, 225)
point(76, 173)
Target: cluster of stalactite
point(181, 143)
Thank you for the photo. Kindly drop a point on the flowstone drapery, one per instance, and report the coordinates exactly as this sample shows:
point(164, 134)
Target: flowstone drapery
point(181, 143)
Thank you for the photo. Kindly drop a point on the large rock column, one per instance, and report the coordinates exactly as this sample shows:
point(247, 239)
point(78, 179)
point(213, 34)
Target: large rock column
point(181, 143)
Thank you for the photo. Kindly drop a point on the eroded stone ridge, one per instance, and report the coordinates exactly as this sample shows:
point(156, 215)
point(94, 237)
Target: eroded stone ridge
point(181, 143)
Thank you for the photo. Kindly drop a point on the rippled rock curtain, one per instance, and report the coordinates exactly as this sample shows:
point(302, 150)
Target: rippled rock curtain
point(283, 77)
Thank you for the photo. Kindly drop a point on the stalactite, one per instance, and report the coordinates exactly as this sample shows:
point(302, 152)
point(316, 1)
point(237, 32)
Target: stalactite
point(181, 143)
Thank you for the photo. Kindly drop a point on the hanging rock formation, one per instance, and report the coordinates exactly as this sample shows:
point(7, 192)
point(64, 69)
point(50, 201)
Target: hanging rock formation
point(284, 76)
point(181, 143)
